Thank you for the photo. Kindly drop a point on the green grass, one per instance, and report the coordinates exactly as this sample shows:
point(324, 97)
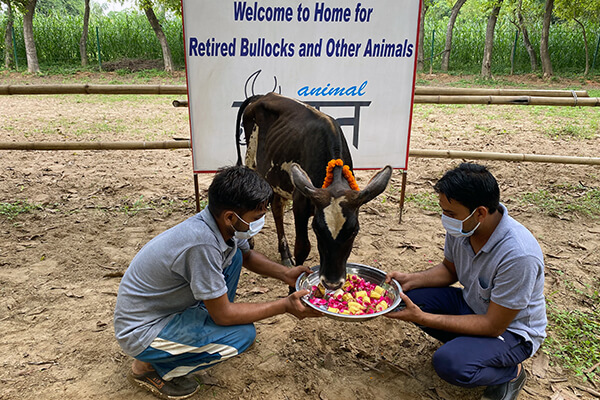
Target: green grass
point(573, 131)
point(11, 210)
point(164, 206)
point(425, 201)
point(562, 199)
point(573, 338)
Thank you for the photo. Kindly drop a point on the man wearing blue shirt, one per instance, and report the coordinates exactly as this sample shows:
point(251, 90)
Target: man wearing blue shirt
point(496, 318)
point(175, 311)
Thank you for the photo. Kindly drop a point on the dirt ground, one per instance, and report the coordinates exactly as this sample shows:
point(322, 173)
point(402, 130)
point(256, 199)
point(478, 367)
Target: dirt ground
point(60, 263)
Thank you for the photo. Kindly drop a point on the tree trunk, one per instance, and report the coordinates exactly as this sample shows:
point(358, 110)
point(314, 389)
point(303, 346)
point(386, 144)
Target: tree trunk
point(84, 34)
point(585, 42)
point(421, 50)
point(32, 60)
point(167, 59)
point(544, 53)
point(526, 41)
point(448, 47)
point(8, 39)
point(486, 65)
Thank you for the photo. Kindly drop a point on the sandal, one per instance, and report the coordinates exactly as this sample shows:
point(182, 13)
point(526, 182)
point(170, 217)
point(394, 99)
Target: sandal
point(177, 388)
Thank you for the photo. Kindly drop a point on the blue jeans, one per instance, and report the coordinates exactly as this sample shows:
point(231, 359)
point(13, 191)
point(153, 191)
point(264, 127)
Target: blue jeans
point(469, 361)
point(192, 341)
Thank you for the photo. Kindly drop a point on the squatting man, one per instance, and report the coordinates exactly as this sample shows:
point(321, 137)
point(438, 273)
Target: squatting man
point(175, 311)
point(497, 319)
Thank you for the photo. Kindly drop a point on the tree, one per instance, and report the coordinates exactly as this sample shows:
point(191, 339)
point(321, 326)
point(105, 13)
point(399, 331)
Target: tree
point(486, 65)
point(27, 7)
point(544, 53)
point(421, 51)
point(8, 39)
point(148, 7)
point(160, 35)
point(519, 22)
point(448, 46)
point(576, 10)
point(84, 34)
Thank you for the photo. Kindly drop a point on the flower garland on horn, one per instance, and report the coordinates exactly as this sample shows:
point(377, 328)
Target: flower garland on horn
point(345, 171)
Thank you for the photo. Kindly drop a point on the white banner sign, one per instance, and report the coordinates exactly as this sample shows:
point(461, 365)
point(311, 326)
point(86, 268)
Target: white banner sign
point(355, 61)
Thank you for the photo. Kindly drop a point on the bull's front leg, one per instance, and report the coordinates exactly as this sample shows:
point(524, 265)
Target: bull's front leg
point(278, 208)
point(302, 210)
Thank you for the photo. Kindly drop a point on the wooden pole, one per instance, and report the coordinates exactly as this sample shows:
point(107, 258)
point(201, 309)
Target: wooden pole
point(182, 90)
point(510, 100)
point(185, 144)
point(452, 91)
point(180, 103)
point(474, 155)
point(490, 100)
point(91, 89)
point(197, 193)
point(402, 193)
point(74, 146)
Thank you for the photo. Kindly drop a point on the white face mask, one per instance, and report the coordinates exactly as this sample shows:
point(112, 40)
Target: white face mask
point(454, 226)
point(253, 228)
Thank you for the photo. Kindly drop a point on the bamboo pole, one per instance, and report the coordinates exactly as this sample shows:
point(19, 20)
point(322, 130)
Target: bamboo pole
point(180, 103)
point(182, 89)
point(506, 100)
point(73, 146)
point(475, 155)
point(91, 89)
point(452, 91)
point(510, 100)
point(185, 144)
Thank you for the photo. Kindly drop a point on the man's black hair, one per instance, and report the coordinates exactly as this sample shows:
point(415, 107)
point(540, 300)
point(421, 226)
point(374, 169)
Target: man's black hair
point(472, 185)
point(238, 188)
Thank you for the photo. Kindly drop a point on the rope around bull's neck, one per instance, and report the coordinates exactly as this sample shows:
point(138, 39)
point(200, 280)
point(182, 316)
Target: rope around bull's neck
point(345, 171)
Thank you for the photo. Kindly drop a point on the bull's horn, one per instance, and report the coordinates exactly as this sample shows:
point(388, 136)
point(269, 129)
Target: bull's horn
point(301, 181)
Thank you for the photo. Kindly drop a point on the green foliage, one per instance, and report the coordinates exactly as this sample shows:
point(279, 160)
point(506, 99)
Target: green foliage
point(425, 201)
point(122, 35)
point(63, 7)
point(128, 35)
point(573, 337)
point(11, 210)
point(558, 200)
point(571, 9)
point(566, 42)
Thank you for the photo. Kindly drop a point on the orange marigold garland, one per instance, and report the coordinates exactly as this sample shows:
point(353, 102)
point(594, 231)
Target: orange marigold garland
point(345, 171)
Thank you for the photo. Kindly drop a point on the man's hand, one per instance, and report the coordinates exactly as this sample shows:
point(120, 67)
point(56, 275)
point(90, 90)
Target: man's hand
point(296, 307)
point(406, 281)
point(292, 274)
point(412, 313)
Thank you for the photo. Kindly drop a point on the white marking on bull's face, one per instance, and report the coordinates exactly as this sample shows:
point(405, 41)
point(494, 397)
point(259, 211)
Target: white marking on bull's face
point(334, 217)
point(252, 148)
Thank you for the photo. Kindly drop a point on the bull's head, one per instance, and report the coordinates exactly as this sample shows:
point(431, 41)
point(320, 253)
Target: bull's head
point(335, 220)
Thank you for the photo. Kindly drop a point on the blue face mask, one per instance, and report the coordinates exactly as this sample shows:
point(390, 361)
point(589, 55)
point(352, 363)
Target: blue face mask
point(253, 228)
point(454, 226)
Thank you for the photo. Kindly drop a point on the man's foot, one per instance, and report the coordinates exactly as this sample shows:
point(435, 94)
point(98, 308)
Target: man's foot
point(176, 388)
point(506, 391)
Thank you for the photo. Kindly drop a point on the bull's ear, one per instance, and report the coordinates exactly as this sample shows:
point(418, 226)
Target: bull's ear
point(376, 186)
point(301, 181)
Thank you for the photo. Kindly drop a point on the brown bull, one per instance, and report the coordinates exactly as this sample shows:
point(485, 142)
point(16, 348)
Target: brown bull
point(290, 144)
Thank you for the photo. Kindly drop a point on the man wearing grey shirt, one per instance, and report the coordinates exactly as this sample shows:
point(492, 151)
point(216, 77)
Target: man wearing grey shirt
point(175, 311)
point(497, 318)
